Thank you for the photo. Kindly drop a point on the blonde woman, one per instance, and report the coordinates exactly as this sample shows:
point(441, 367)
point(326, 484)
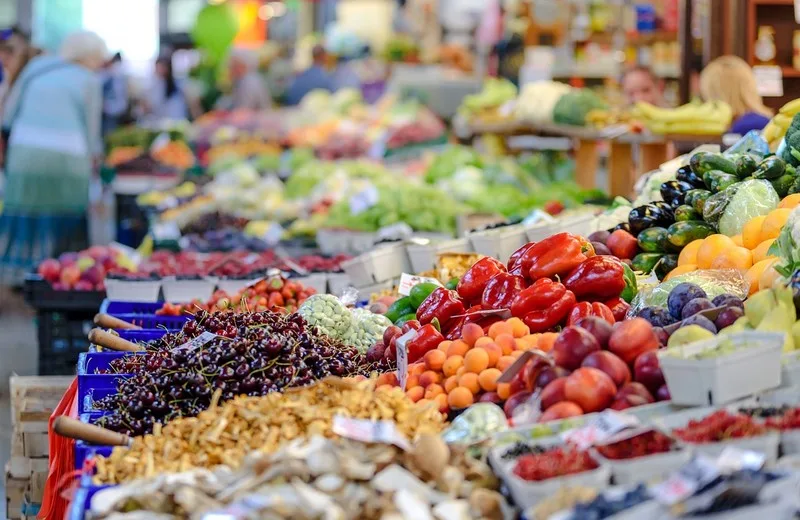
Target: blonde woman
point(730, 79)
point(52, 119)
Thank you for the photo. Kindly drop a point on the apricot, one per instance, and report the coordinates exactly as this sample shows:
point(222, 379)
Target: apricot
point(470, 381)
point(457, 348)
point(501, 327)
point(476, 360)
point(416, 393)
point(546, 341)
point(483, 341)
point(494, 351)
point(450, 383)
point(518, 327)
point(471, 333)
point(444, 345)
point(434, 359)
point(452, 364)
point(488, 379)
point(441, 399)
point(387, 378)
point(416, 368)
point(504, 362)
point(504, 390)
point(507, 343)
point(460, 397)
point(412, 381)
point(433, 390)
point(429, 377)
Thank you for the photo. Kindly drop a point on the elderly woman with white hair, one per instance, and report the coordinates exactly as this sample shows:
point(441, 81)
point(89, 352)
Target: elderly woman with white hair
point(52, 120)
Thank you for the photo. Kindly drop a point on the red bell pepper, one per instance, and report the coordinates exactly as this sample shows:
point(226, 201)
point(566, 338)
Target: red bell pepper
point(442, 304)
point(516, 265)
point(427, 339)
point(597, 279)
point(584, 309)
point(501, 291)
point(545, 319)
point(474, 281)
point(542, 294)
point(619, 308)
point(557, 255)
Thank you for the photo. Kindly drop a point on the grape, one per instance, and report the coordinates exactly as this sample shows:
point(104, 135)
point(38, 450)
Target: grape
point(699, 319)
point(728, 317)
point(695, 306)
point(681, 295)
point(657, 316)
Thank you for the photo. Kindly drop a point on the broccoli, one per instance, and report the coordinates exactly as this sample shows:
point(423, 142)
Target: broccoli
point(791, 147)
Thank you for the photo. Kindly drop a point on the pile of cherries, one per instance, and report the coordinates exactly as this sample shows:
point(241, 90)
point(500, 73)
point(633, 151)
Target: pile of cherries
point(719, 426)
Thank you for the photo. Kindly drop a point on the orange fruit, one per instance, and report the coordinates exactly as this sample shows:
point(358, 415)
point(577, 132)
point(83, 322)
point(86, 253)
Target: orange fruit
point(488, 379)
point(754, 274)
point(518, 327)
point(461, 371)
point(460, 397)
point(501, 327)
point(416, 393)
point(689, 253)
point(774, 222)
point(444, 345)
point(450, 383)
point(433, 390)
point(470, 381)
point(712, 247)
point(504, 362)
point(494, 351)
point(476, 360)
point(790, 201)
point(681, 269)
point(769, 276)
point(762, 250)
point(739, 258)
point(751, 232)
point(434, 359)
point(546, 341)
point(506, 342)
point(504, 390)
point(737, 239)
point(457, 348)
point(471, 333)
point(451, 365)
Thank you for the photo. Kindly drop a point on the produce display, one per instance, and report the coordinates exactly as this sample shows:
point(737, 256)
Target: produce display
point(85, 270)
point(719, 426)
point(709, 118)
point(775, 131)
point(555, 462)
point(647, 443)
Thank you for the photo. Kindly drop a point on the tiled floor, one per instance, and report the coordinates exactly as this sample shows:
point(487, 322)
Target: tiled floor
point(18, 349)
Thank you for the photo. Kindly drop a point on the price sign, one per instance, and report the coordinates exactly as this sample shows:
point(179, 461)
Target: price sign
point(402, 357)
point(273, 234)
point(408, 281)
point(769, 80)
point(364, 199)
point(198, 342)
point(683, 483)
point(365, 430)
point(603, 426)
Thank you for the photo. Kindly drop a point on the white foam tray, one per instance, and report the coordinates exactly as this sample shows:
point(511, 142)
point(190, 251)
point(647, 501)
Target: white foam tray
point(746, 371)
point(499, 243)
point(338, 282)
point(790, 369)
point(184, 291)
point(423, 257)
point(384, 263)
point(365, 292)
point(646, 469)
point(319, 281)
point(576, 224)
point(133, 290)
point(334, 241)
point(232, 286)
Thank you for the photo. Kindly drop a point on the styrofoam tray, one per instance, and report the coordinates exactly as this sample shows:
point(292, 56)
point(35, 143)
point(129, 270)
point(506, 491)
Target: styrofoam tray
point(333, 241)
point(385, 263)
point(233, 286)
point(133, 290)
point(528, 494)
point(645, 469)
point(423, 257)
point(338, 282)
point(790, 369)
point(576, 224)
point(499, 243)
point(319, 281)
point(361, 242)
point(183, 291)
point(723, 379)
point(365, 292)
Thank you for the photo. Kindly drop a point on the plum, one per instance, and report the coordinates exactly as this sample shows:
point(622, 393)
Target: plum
point(597, 327)
point(680, 295)
point(699, 319)
point(728, 317)
point(599, 236)
point(656, 316)
point(600, 248)
point(727, 300)
point(662, 335)
point(696, 305)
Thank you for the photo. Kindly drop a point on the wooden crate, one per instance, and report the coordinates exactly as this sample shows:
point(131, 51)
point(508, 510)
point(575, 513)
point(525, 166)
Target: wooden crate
point(15, 495)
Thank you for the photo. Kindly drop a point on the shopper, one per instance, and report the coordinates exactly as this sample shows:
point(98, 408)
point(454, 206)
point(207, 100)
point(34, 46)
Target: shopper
point(116, 103)
point(165, 98)
point(249, 90)
point(53, 117)
point(313, 78)
point(345, 75)
point(730, 79)
point(640, 84)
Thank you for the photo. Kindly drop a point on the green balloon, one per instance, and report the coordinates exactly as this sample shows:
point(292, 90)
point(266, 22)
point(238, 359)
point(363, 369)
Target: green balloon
point(215, 29)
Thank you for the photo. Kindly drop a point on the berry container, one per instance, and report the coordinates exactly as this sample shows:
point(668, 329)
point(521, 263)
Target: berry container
point(790, 369)
point(90, 363)
point(645, 469)
point(133, 290)
point(385, 263)
point(123, 307)
point(184, 291)
point(778, 500)
point(333, 241)
point(499, 243)
point(579, 224)
point(423, 256)
point(790, 439)
point(767, 443)
point(154, 321)
point(93, 388)
point(753, 367)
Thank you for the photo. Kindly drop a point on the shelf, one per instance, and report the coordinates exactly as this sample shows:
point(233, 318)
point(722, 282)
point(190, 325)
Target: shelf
point(790, 72)
point(772, 2)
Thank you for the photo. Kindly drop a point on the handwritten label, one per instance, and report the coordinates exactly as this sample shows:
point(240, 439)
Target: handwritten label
point(408, 281)
point(402, 357)
point(365, 430)
point(683, 483)
point(364, 199)
point(602, 426)
point(198, 342)
point(769, 80)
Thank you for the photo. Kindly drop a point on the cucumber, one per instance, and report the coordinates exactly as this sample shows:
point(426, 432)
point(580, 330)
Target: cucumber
point(703, 162)
point(700, 200)
point(681, 233)
point(421, 291)
point(652, 239)
point(685, 212)
point(644, 262)
point(405, 318)
point(399, 308)
point(745, 165)
point(770, 168)
point(783, 184)
point(717, 180)
point(665, 265)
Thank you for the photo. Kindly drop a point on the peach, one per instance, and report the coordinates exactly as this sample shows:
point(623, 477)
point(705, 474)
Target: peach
point(434, 359)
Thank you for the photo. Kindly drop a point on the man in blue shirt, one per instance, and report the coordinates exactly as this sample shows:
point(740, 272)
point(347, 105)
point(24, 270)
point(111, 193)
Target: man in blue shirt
point(314, 77)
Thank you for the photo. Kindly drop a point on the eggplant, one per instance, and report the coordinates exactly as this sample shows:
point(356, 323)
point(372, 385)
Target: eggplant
point(669, 211)
point(673, 192)
point(648, 216)
point(685, 174)
point(623, 226)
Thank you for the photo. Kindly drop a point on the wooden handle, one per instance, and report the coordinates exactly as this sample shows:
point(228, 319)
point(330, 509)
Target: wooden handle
point(112, 342)
point(74, 429)
point(110, 322)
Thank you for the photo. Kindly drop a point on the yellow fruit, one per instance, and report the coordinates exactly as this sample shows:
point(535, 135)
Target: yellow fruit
point(751, 232)
point(790, 202)
point(769, 276)
point(737, 239)
point(739, 258)
point(689, 253)
point(774, 222)
point(761, 251)
point(711, 248)
point(681, 269)
point(754, 273)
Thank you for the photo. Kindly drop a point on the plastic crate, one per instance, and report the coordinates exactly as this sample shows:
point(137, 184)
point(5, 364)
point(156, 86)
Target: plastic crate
point(92, 363)
point(40, 295)
point(82, 501)
point(383, 264)
point(62, 338)
point(84, 450)
point(141, 335)
point(153, 321)
point(119, 307)
point(93, 388)
point(499, 243)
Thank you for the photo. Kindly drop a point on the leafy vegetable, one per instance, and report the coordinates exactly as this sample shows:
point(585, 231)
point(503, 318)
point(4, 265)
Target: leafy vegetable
point(572, 107)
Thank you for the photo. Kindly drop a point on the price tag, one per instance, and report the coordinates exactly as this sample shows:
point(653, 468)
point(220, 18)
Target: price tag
point(603, 426)
point(408, 281)
point(683, 483)
point(365, 430)
point(402, 357)
point(364, 199)
point(538, 217)
point(769, 80)
point(198, 342)
point(167, 230)
point(273, 234)
point(732, 459)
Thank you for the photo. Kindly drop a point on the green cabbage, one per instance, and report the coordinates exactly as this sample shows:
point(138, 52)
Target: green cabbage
point(754, 198)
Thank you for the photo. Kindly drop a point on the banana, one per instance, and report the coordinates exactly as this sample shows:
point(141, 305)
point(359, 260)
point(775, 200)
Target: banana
point(782, 121)
point(791, 108)
point(770, 131)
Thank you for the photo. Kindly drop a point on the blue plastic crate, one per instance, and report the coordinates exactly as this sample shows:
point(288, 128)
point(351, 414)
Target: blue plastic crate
point(141, 335)
point(116, 307)
point(91, 363)
point(92, 388)
point(153, 321)
point(84, 450)
point(82, 500)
